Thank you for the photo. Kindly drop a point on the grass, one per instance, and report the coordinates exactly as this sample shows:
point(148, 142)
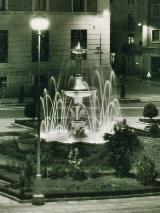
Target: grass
point(108, 185)
point(91, 155)
point(105, 183)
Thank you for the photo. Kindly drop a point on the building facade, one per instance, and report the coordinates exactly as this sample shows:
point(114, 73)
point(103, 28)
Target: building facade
point(137, 24)
point(87, 21)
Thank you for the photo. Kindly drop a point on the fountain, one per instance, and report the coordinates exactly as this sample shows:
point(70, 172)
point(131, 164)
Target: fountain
point(67, 119)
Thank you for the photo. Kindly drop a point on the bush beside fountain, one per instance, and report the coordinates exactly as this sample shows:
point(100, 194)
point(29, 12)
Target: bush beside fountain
point(27, 142)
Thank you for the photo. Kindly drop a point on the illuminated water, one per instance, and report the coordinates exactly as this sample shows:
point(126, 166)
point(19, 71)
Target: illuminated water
point(99, 112)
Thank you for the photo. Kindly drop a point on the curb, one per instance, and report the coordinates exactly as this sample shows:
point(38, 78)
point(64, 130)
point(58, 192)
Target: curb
point(81, 198)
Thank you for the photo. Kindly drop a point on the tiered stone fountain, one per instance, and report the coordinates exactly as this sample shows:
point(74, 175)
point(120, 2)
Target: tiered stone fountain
point(78, 92)
point(70, 121)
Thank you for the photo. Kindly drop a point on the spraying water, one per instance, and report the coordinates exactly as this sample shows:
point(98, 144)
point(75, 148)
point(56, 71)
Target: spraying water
point(67, 119)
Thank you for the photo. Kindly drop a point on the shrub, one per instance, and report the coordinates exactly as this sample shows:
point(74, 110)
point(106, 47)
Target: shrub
point(29, 170)
point(123, 91)
point(30, 110)
point(78, 174)
point(150, 110)
point(21, 94)
point(74, 160)
point(154, 129)
point(22, 183)
point(74, 165)
point(94, 173)
point(57, 171)
point(121, 147)
point(146, 172)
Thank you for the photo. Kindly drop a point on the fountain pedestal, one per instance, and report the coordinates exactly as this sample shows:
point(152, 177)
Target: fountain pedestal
point(78, 92)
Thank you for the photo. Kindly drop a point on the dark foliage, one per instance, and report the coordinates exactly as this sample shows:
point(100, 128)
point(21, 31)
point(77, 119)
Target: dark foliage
point(94, 173)
point(29, 170)
point(30, 110)
point(121, 148)
point(150, 110)
point(154, 130)
point(21, 94)
point(57, 171)
point(146, 172)
point(123, 91)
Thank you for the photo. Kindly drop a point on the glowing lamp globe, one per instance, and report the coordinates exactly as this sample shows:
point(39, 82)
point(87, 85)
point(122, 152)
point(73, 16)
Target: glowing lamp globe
point(39, 22)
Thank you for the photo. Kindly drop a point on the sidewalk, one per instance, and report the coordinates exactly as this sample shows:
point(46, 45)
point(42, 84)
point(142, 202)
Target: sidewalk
point(144, 81)
point(13, 101)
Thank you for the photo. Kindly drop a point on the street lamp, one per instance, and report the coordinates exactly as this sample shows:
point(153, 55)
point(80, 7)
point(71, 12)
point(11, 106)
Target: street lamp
point(38, 22)
point(79, 51)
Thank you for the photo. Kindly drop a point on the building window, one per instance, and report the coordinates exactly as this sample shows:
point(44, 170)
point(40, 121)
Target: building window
point(2, 5)
point(78, 5)
point(130, 38)
point(3, 82)
point(91, 5)
point(79, 36)
point(44, 46)
point(130, 2)
point(131, 22)
point(40, 5)
point(60, 5)
point(3, 46)
point(155, 66)
point(155, 10)
point(155, 35)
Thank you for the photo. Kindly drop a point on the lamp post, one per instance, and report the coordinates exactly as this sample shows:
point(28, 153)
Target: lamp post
point(99, 22)
point(39, 23)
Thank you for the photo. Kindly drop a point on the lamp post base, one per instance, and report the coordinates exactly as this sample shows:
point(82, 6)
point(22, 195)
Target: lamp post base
point(38, 199)
point(38, 196)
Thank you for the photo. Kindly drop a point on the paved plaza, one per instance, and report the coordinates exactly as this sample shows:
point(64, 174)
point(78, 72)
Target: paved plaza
point(130, 111)
point(125, 205)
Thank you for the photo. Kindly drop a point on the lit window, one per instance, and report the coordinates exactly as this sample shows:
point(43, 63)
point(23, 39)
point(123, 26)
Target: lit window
point(2, 5)
point(155, 35)
point(40, 5)
point(155, 10)
point(3, 46)
point(79, 36)
point(130, 2)
point(44, 46)
point(130, 38)
point(78, 5)
point(3, 82)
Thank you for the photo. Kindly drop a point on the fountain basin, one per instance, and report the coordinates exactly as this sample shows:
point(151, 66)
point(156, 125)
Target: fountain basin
point(79, 95)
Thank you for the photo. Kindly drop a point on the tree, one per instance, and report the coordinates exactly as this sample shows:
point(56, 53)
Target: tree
point(121, 147)
point(150, 110)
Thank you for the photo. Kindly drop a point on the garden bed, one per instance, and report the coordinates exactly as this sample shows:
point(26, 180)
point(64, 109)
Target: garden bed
point(27, 122)
point(67, 188)
point(129, 100)
point(150, 121)
point(141, 132)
